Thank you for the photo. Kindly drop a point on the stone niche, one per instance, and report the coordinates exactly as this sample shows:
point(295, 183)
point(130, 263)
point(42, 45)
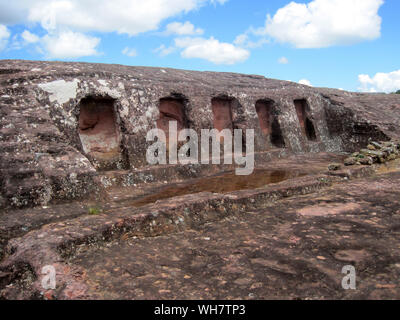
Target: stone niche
point(222, 111)
point(228, 114)
point(171, 109)
point(269, 123)
point(99, 133)
point(303, 113)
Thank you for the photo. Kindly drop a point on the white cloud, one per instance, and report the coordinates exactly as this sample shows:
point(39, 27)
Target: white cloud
point(69, 45)
point(305, 82)
point(283, 60)
point(164, 51)
point(244, 41)
point(4, 35)
point(381, 82)
point(183, 29)
point(14, 11)
point(30, 37)
point(218, 1)
point(324, 23)
point(211, 50)
point(241, 39)
point(122, 16)
point(68, 19)
point(130, 52)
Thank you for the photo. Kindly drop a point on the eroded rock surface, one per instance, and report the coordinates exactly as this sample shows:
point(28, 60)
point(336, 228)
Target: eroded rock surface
point(52, 144)
point(77, 192)
point(293, 249)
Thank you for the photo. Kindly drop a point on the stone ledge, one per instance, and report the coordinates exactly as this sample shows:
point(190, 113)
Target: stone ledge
point(54, 243)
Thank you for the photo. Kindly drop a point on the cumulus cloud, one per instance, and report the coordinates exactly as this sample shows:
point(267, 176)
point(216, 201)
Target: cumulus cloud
point(381, 82)
point(69, 45)
point(183, 29)
point(211, 50)
point(4, 35)
point(283, 60)
point(305, 82)
point(122, 16)
point(12, 12)
point(324, 23)
point(130, 52)
point(29, 37)
point(68, 19)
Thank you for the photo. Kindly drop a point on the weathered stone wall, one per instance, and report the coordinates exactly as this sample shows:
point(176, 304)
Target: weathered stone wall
point(41, 152)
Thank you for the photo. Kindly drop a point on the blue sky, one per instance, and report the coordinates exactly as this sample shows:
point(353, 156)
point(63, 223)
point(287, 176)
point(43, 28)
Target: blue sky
point(349, 44)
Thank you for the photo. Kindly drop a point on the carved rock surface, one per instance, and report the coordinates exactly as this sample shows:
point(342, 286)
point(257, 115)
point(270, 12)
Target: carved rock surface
point(47, 153)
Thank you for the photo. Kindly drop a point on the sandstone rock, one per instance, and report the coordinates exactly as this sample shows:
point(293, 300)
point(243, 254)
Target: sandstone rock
point(334, 166)
point(388, 150)
point(350, 161)
point(65, 123)
point(371, 153)
point(377, 145)
point(388, 144)
point(367, 161)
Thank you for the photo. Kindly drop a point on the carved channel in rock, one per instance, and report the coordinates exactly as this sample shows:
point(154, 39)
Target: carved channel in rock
point(269, 123)
point(303, 113)
point(221, 184)
point(98, 132)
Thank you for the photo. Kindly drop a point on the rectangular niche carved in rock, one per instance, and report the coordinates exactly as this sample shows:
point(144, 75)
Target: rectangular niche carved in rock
point(222, 110)
point(307, 126)
point(98, 131)
point(269, 123)
point(171, 109)
point(263, 108)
